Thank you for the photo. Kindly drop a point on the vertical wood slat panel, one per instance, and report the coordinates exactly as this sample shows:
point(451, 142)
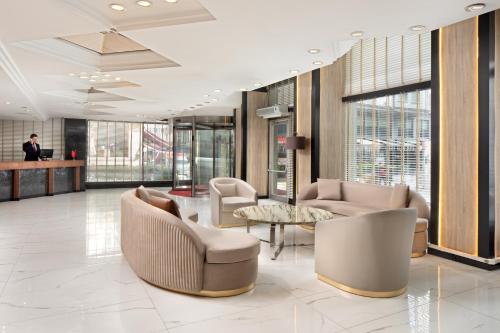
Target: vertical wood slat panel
point(458, 137)
point(332, 124)
point(497, 132)
point(257, 143)
point(304, 85)
point(238, 144)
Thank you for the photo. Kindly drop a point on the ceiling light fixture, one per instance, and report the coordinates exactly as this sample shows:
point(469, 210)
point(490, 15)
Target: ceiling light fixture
point(143, 3)
point(317, 63)
point(314, 51)
point(257, 84)
point(172, 1)
point(8, 103)
point(94, 76)
point(118, 78)
point(71, 74)
point(294, 71)
point(417, 27)
point(117, 7)
point(474, 7)
point(91, 80)
point(217, 91)
point(357, 34)
point(107, 75)
point(84, 77)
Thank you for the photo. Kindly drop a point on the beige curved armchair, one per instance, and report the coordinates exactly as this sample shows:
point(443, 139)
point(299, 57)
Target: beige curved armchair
point(182, 256)
point(367, 255)
point(227, 195)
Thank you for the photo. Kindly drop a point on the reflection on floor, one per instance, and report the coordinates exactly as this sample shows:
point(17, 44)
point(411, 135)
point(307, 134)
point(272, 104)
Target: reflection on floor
point(61, 270)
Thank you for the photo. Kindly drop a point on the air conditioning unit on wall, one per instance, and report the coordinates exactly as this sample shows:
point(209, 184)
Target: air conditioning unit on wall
point(275, 111)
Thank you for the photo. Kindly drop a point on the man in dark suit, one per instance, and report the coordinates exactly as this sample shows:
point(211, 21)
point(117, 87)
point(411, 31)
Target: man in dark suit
point(32, 148)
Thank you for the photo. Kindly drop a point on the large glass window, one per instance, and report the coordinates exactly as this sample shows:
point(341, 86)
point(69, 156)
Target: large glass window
point(127, 151)
point(388, 141)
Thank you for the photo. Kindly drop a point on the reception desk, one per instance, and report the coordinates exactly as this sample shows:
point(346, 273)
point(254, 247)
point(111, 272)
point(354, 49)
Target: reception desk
point(20, 180)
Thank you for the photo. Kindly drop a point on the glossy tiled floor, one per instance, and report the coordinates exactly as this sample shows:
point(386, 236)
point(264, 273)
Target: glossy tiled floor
point(61, 270)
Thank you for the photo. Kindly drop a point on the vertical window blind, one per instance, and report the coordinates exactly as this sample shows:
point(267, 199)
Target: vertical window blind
point(388, 137)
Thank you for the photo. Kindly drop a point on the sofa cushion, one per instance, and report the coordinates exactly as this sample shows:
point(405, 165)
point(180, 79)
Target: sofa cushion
point(143, 194)
point(329, 189)
point(166, 204)
point(226, 190)
point(399, 196)
point(376, 196)
point(422, 225)
point(225, 246)
point(340, 207)
point(230, 204)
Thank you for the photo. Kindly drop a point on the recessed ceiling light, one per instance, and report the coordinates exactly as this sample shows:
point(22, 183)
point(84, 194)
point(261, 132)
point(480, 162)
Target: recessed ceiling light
point(91, 80)
point(118, 78)
point(117, 7)
point(474, 7)
point(171, 1)
point(8, 103)
point(217, 91)
point(107, 75)
point(417, 27)
point(357, 34)
point(84, 77)
point(317, 63)
point(214, 99)
point(143, 3)
point(94, 76)
point(71, 74)
point(294, 71)
point(314, 51)
point(257, 84)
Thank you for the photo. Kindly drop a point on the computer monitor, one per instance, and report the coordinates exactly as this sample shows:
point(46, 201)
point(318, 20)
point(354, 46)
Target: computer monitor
point(46, 154)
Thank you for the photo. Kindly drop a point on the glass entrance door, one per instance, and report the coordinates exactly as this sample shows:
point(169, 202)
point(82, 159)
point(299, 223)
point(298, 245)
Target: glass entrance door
point(278, 159)
point(204, 158)
point(182, 158)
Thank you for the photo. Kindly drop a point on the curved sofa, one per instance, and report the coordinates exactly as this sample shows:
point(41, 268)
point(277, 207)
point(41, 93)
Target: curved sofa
point(360, 198)
point(183, 256)
point(367, 255)
point(223, 202)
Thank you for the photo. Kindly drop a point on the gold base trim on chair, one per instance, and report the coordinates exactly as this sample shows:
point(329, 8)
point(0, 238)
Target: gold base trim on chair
point(366, 293)
point(214, 293)
point(418, 254)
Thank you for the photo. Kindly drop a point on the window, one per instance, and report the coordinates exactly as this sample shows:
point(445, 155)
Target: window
point(126, 151)
point(388, 141)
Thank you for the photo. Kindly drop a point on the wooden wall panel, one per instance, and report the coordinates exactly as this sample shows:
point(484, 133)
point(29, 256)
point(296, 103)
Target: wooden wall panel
point(458, 137)
point(304, 84)
point(237, 144)
point(257, 143)
point(497, 132)
point(332, 121)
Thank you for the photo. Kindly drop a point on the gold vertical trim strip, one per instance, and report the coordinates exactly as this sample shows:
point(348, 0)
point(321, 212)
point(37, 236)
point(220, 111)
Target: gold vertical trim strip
point(476, 138)
point(418, 146)
point(442, 164)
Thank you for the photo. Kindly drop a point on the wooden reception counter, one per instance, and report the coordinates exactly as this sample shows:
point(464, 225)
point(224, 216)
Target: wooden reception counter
point(19, 180)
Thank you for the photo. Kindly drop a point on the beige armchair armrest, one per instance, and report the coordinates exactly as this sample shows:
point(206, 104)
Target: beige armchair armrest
point(215, 202)
point(418, 202)
point(245, 190)
point(309, 192)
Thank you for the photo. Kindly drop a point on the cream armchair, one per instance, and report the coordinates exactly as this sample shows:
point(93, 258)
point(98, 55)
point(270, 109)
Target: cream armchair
point(367, 255)
point(227, 195)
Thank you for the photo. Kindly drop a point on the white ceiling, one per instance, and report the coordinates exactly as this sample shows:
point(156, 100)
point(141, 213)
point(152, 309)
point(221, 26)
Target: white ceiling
point(218, 44)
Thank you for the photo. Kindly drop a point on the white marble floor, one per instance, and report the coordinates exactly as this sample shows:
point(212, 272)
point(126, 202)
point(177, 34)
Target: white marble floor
point(61, 270)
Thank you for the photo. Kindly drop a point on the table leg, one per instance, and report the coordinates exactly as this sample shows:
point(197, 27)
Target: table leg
point(272, 236)
point(281, 244)
point(248, 227)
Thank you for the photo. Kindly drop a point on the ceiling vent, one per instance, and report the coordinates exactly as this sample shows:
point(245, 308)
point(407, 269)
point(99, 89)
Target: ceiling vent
point(275, 111)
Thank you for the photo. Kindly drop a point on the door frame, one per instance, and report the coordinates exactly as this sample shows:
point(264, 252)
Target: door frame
point(288, 120)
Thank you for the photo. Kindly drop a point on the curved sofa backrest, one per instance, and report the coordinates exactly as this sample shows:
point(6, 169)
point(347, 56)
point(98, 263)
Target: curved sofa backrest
point(159, 247)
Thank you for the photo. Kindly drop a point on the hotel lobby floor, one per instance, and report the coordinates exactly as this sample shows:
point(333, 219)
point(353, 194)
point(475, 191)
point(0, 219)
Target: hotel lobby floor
point(61, 270)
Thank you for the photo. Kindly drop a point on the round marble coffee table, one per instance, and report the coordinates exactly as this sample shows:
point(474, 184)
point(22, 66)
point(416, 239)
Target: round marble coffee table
point(282, 214)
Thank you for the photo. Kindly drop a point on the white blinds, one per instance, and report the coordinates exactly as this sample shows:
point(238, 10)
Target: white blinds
point(388, 141)
point(381, 63)
point(13, 133)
